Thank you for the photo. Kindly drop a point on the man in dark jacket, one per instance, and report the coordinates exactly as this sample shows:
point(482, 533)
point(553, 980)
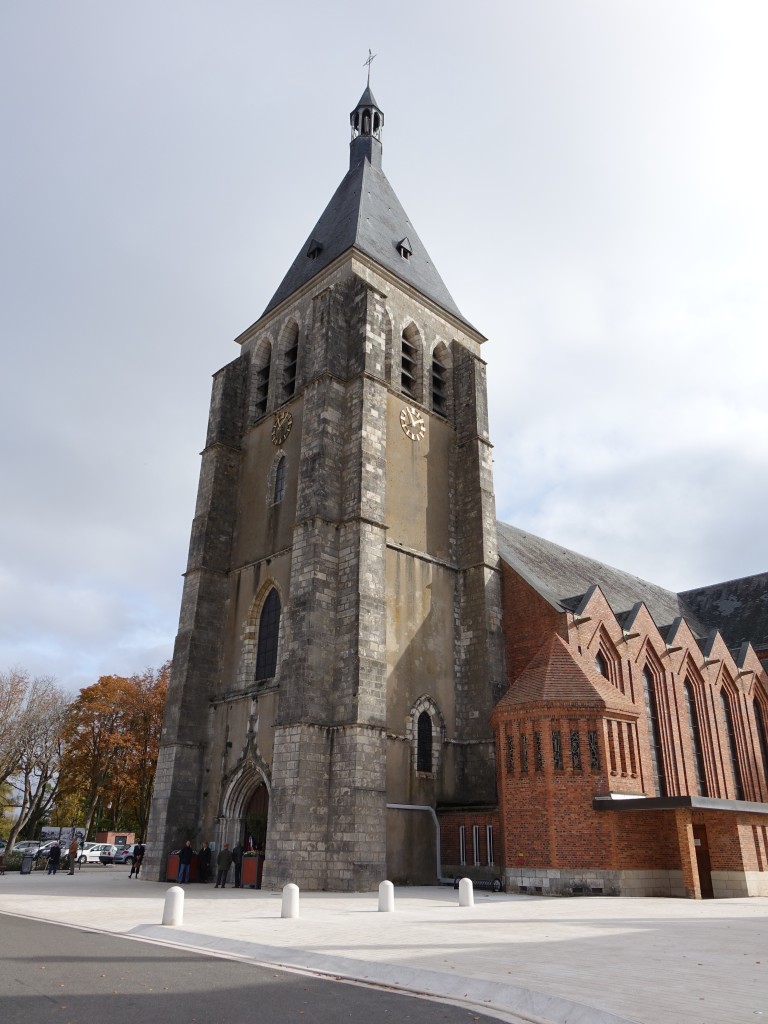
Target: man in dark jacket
point(204, 862)
point(223, 863)
point(54, 856)
point(237, 860)
point(185, 859)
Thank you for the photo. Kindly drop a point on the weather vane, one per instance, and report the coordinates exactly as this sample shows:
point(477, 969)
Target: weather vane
point(370, 60)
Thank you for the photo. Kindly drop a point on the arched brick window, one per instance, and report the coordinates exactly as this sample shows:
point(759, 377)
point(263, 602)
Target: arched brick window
point(607, 661)
point(725, 698)
point(762, 733)
point(698, 750)
point(654, 732)
point(269, 629)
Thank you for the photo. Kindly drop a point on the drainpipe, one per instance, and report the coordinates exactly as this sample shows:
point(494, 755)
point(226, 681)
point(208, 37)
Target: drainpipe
point(431, 811)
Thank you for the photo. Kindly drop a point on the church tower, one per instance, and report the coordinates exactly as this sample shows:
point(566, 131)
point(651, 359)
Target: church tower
point(339, 648)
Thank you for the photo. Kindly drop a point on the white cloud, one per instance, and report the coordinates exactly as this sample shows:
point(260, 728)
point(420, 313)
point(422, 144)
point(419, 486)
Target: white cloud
point(589, 179)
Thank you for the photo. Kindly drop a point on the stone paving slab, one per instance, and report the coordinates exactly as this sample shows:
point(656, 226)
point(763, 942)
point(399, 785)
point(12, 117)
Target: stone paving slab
point(595, 960)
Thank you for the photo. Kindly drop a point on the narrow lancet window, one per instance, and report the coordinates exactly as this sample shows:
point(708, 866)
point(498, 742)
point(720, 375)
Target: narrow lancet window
point(698, 750)
point(290, 363)
point(424, 743)
point(732, 747)
point(762, 734)
point(439, 397)
point(261, 384)
point(279, 493)
point(409, 363)
point(269, 630)
point(654, 733)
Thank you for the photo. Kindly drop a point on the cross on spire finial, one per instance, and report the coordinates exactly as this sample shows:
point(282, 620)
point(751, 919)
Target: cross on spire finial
point(371, 58)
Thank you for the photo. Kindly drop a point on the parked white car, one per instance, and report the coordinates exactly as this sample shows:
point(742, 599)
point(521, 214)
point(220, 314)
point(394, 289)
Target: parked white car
point(91, 852)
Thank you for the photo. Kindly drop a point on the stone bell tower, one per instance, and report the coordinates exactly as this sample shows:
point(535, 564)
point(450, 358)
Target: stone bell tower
point(339, 648)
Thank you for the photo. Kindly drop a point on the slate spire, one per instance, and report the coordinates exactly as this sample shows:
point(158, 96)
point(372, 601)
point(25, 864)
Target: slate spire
point(365, 214)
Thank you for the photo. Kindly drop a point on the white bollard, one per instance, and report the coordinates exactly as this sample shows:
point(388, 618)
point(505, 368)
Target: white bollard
point(290, 901)
point(466, 893)
point(173, 910)
point(386, 897)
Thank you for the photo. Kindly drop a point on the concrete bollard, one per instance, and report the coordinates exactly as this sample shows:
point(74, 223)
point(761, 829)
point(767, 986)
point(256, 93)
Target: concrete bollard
point(386, 897)
point(173, 910)
point(466, 893)
point(290, 901)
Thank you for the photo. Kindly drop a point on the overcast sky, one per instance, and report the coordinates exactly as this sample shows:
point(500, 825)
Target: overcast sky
point(589, 177)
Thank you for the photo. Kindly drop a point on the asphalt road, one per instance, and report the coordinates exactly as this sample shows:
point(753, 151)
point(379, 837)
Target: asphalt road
point(50, 973)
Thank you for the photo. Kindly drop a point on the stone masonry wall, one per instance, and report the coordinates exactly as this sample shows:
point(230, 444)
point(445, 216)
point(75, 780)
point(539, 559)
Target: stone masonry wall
point(176, 805)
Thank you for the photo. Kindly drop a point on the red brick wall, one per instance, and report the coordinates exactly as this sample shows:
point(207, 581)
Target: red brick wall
point(450, 823)
point(547, 814)
point(527, 621)
point(643, 841)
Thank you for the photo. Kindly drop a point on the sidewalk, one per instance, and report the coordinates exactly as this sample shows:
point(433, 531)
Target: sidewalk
point(595, 960)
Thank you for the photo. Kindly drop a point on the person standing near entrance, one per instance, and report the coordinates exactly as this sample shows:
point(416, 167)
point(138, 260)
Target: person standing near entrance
point(223, 864)
point(74, 847)
point(138, 857)
point(237, 860)
point(185, 859)
point(54, 856)
point(204, 862)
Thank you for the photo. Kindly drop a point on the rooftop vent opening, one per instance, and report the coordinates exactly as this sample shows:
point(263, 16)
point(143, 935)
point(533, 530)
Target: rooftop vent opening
point(314, 250)
point(404, 248)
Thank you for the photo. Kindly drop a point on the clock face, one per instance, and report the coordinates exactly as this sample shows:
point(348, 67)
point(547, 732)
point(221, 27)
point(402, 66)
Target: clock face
point(281, 428)
point(412, 423)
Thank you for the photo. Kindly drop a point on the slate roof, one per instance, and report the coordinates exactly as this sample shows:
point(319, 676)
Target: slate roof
point(365, 212)
point(738, 608)
point(553, 676)
point(562, 577)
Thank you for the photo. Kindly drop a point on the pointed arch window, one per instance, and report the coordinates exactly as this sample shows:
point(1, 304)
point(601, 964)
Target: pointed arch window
point(424, 743)
point(261, 383)
point(269, 629)
point(290, 362)
point(698, 750)
point(725, 698)
point(439, 384)
point(279, 491)
point(762, 733)
point(608, 663)
point(654, 732)
point(410, 363)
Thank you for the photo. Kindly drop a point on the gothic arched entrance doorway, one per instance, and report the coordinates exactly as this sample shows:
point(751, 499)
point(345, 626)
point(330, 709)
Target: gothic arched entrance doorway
point(256, 816)
point(244, 817)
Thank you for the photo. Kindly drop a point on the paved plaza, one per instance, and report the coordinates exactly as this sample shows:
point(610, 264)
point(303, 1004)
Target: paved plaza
point(595, 960)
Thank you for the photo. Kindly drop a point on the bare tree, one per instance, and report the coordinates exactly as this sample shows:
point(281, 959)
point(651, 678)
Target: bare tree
point(38, 743)
point(14, 686)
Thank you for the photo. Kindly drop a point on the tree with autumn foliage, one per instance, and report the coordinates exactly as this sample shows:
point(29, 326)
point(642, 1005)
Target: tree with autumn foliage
point(111, 742)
